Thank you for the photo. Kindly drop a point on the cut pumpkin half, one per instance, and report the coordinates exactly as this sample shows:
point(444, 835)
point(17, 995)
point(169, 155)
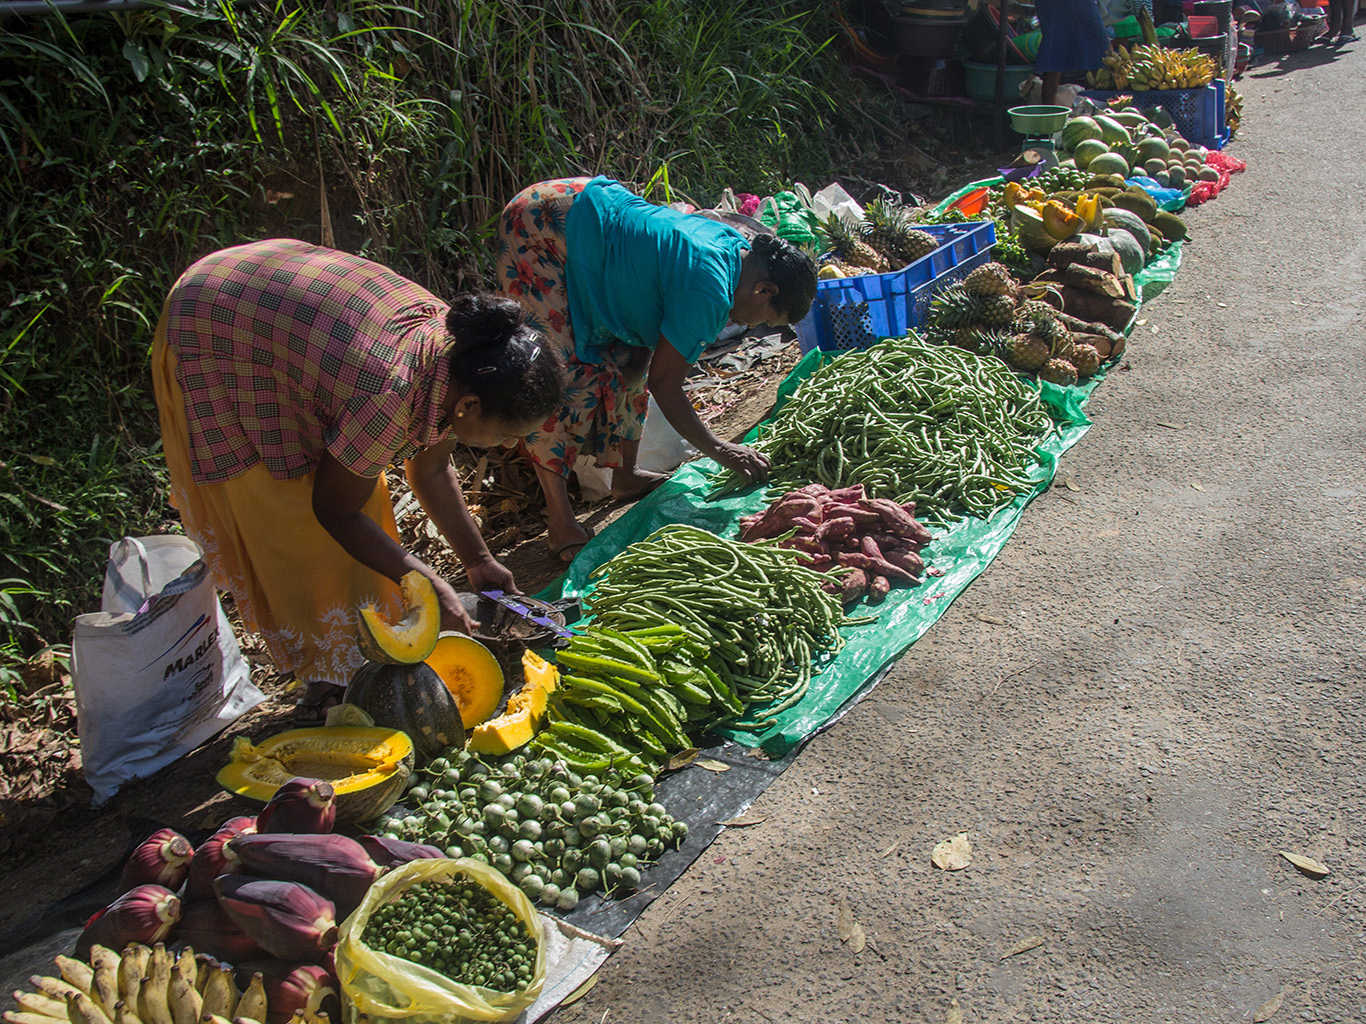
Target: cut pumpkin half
point(412, 638)
point(471, 673)
point(367, 767)
point(525, 712)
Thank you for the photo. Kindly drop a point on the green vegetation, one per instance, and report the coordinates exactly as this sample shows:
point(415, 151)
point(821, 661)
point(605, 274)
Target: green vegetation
point(132, 143)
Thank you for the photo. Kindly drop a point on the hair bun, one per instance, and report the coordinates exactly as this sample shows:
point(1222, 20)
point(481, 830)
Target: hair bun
point(481, 318)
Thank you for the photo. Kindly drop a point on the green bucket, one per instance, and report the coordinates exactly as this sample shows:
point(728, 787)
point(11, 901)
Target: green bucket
point(1038, 120)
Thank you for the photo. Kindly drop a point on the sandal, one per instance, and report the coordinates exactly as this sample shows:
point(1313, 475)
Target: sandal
point(319, 697)
point(571, 547)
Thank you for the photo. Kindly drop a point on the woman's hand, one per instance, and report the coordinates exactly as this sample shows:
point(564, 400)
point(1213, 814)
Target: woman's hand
point(750, 464)
point(490, 574)
point(453, 614)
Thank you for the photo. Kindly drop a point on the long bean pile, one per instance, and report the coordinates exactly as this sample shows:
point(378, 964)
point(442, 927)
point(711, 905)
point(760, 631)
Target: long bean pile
point(761, 613)
point(946, 429)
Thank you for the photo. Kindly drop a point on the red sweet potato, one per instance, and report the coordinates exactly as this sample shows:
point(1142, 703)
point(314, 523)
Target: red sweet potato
point(879, 566)
point(836, 528)
point(879, 589)
point(853, 586)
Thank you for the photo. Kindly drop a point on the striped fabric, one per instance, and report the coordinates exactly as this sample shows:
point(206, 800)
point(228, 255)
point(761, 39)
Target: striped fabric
point(286, 350)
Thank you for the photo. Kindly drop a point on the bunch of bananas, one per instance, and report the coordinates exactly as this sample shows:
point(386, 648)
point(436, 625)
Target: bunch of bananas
point(1153, 67)
point(1233, 109)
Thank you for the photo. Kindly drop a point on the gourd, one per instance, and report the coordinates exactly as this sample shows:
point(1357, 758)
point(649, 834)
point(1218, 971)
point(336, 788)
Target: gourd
point(525, 712)
point(472, 675)
point(367, 767)
point(412, 638)
point(411, 698)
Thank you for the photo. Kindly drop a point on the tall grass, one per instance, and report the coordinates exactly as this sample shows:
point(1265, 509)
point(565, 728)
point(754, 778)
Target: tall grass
point(133, 143)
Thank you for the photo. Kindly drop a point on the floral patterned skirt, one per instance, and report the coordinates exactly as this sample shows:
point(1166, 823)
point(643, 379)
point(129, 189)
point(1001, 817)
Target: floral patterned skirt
point(603, 408)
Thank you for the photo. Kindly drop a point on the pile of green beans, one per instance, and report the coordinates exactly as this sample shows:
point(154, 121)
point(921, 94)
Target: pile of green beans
point(910, 421)
point(755, 607)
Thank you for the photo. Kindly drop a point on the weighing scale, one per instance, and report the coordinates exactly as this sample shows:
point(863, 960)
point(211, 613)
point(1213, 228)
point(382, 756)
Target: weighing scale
point(1039, 125)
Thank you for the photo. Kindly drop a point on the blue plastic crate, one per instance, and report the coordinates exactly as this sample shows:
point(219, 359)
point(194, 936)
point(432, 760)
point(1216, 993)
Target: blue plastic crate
point(855, 312)
point(1198, 114)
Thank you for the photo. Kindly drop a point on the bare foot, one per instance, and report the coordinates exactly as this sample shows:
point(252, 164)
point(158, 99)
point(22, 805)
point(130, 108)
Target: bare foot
point(636, 483)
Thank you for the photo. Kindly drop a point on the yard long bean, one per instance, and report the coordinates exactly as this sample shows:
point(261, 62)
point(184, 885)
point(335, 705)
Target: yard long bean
point(911, 421)
point(758, 612)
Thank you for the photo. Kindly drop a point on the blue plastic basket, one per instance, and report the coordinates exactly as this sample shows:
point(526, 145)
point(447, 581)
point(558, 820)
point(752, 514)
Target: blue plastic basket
point(1198, 114)
point(855, 312)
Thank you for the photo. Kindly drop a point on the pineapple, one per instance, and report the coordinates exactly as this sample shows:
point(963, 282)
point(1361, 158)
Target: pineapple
point(917, 244)
point(997, 310)
point(1027, 312)
point(953, 307)
point(965, 338)
point(1027, 352)
point(991, 279)
point(889, 231)
point(843, 241)
point(993, 342)
point(1086, 358)
point(1058, 371)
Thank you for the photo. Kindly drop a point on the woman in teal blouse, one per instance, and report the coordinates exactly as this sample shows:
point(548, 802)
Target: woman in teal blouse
point(632, 293)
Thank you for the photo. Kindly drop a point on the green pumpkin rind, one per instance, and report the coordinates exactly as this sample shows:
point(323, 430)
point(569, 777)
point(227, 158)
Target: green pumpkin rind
point(411, 698)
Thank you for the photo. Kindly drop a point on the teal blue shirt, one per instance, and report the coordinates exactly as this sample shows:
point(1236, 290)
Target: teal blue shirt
point(636, 271)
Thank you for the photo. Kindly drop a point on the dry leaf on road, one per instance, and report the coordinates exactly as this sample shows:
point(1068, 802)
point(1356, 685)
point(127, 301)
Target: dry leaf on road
point(682, 759)
point(1268, 1009)
point(743, 820)
point(850, 931)
point(953, 854)
point(1067, 482)
point(995, 620)
point(1023, 946)
point(1309, 866)
point(579, 992)
point(712, 766)
point(955, 1014)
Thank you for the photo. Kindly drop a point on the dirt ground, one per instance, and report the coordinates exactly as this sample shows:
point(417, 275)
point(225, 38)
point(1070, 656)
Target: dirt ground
point(1154, 689)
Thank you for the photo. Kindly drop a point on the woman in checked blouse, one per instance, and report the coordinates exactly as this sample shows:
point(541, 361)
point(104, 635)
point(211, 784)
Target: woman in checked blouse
point(288, 379)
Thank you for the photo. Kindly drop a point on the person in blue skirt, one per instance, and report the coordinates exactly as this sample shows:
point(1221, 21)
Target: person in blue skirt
point(1074, 40)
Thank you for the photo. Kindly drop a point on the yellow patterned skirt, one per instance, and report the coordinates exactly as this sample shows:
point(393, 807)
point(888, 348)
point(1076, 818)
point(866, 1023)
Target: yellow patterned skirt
point(292, 583)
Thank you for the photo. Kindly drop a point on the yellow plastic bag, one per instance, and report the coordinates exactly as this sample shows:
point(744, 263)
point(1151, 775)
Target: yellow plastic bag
point(379, 986)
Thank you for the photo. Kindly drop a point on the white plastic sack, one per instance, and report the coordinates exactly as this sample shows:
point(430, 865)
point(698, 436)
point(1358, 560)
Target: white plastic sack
point(157, 670)
point(834, 199)
point(662, 450)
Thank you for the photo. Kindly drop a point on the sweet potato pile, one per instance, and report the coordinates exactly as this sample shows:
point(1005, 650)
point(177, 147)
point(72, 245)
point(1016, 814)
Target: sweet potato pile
point(869, 543)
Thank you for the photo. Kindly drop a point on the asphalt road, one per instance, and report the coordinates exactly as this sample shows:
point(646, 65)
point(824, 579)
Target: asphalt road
point(1175, 696)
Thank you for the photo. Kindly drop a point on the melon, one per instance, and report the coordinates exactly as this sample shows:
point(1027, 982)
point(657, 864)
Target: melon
point(1109, 163)
point(1077, 130)
point(1111, 131)
point(1087, 150)
point(1153, 149)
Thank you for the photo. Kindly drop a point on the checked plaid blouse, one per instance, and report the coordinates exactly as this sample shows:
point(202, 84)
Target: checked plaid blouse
point(286, 350)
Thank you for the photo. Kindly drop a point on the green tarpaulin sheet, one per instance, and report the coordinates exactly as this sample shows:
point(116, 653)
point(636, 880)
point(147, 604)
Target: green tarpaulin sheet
point(954, 558)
